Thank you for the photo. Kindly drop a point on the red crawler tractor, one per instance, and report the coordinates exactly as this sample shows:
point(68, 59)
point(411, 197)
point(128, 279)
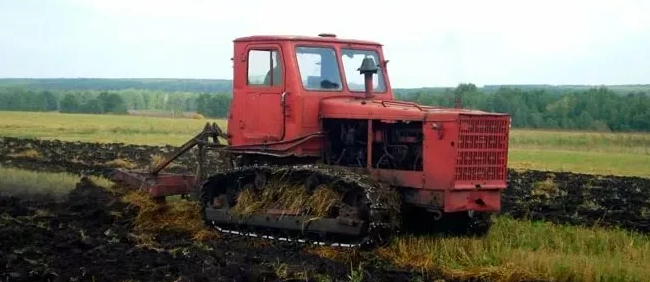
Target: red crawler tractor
point(318, 150)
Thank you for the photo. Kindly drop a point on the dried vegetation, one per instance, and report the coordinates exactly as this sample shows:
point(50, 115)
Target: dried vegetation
point(175, 216)
point(121, 163)
point(288, 198)
point(27, 153)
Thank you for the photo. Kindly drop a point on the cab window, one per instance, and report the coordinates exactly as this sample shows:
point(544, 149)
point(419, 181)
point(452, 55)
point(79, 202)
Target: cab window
point(264, 68)
point(352, 59)
point(319, 68)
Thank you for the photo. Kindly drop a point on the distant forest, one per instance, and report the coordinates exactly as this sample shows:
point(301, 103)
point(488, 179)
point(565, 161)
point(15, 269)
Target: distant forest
point(610, 108)
point(598, 108)
point(162, 84)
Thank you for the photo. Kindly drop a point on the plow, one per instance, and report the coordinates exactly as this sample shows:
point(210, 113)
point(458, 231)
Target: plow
point(318, 151)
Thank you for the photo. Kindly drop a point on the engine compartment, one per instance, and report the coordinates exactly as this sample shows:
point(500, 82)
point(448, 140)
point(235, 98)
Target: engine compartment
point(395, 145)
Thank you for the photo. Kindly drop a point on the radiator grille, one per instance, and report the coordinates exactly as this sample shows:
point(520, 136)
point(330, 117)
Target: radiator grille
point(482, 148)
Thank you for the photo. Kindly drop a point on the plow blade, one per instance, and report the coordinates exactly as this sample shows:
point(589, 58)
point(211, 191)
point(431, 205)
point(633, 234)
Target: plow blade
point(159, 185)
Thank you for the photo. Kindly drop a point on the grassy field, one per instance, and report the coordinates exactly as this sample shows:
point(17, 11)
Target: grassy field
point(587, 152)
point(522, 251)
point(101, 128)
point(21, 182)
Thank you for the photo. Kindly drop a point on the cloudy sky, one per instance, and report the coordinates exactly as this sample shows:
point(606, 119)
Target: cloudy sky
point(441, 43)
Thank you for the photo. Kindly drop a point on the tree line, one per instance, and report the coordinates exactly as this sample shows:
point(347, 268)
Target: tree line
point(597, 108)
point(169, 85)
point(225, 85)
point(113, 102)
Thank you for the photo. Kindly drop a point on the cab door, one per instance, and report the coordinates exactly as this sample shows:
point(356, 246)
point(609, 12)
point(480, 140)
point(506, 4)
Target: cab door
point(263, 116)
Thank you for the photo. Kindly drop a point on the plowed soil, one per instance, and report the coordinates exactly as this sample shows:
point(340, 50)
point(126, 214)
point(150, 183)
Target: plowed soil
point(89, 236)
point(579, 199)
point(80, 157)
point(560, 197)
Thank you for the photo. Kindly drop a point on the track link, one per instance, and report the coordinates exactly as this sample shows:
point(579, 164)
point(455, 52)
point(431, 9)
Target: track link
point(366, 213)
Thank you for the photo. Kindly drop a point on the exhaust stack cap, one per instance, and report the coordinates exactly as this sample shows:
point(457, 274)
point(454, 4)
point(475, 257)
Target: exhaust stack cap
point(368, 66)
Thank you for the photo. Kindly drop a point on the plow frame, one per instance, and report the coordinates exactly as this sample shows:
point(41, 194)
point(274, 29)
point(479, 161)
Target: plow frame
point(160, 185)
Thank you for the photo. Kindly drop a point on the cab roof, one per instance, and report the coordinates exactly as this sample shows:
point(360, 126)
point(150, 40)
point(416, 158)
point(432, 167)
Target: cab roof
point(324, 37)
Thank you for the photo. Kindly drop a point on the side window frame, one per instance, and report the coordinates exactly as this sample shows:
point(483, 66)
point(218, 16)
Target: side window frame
point(271, 50)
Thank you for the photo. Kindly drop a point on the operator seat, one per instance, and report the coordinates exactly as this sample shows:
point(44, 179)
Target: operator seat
point(277, 73)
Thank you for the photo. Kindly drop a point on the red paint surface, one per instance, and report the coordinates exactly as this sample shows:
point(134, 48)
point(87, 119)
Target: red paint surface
point(465, 152)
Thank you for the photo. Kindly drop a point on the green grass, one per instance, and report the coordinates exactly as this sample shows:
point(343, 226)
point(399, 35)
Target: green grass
point(520, 250)
point(581, 161)
point(101, 128)
point(586, 152)
point(22, 182)
point(595, 142)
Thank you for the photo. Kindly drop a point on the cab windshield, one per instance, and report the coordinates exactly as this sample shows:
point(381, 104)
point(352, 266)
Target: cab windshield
point(319, 69)
point(352, 59)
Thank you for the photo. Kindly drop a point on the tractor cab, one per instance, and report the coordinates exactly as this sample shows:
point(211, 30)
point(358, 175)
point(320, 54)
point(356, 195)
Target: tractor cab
point(323, 64)
point(279, 81)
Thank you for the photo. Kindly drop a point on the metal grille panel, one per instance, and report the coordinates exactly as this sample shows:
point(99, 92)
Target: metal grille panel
point(482, 148)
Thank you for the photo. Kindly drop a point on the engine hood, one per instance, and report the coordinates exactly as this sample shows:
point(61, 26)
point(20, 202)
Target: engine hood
point(359, 108)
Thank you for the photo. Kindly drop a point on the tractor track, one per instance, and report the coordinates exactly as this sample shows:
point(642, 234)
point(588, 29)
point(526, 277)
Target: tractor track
point(559, 197)
point(384, 202)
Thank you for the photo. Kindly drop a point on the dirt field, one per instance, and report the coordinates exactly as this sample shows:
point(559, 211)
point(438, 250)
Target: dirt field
point(559, 197)
point(89, 235)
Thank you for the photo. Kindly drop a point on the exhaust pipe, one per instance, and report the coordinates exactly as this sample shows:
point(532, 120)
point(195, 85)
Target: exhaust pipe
point(368, 68)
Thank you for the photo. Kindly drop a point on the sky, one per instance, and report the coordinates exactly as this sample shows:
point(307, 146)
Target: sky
point(428, 43)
